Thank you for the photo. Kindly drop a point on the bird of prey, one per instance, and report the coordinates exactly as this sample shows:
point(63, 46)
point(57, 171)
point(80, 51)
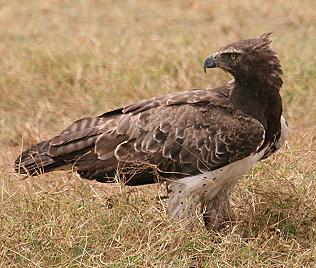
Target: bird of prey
point(200, 142)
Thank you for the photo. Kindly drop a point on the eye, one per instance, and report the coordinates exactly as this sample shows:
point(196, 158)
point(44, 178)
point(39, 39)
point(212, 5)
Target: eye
point(233, 56)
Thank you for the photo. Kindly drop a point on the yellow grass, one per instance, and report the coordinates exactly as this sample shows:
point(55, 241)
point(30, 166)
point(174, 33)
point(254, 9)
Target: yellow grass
point(62, 60)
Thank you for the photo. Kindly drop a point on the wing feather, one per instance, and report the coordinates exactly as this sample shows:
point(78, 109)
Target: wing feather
point(189, 132)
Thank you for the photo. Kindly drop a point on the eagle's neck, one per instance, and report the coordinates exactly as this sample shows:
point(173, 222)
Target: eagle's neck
point(259, 98)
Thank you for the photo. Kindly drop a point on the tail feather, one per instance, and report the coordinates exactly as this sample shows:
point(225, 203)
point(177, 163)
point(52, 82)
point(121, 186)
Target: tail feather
point(35, 160)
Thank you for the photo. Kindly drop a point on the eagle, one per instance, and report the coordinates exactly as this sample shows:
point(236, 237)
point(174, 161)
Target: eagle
point(199, 142)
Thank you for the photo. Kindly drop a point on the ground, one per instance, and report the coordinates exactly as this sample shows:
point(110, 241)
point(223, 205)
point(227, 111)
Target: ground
point(62, 60)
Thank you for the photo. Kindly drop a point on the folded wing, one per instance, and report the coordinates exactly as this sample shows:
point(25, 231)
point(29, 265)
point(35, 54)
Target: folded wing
point(176, 135)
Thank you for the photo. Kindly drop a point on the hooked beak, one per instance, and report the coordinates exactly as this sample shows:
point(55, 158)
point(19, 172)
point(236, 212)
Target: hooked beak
point(209, 63)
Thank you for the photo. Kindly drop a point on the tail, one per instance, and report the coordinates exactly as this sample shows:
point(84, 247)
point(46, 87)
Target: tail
point(35, 160)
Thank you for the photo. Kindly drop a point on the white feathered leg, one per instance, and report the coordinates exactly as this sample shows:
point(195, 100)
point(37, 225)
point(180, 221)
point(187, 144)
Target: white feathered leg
point(210, 189)
point(182, 203)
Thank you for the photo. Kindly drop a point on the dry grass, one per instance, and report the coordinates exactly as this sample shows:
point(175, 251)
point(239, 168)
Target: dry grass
point(61, 60)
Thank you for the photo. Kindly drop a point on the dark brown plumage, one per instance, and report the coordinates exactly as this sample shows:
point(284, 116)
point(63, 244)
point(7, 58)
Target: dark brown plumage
point(178, 135)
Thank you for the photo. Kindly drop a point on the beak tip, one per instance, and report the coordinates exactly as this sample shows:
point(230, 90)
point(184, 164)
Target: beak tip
point(209, 63)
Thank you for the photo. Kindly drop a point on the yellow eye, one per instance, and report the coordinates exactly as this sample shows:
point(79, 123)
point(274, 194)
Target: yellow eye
point(233, 56)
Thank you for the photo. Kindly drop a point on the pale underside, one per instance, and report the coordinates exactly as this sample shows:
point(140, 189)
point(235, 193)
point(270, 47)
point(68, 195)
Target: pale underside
point(188, 195)
point(185, 195)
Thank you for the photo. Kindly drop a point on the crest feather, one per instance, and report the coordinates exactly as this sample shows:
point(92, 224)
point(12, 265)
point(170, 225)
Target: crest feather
point(263, 40)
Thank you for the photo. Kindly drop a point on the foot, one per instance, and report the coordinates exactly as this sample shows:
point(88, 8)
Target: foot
point(216, 212)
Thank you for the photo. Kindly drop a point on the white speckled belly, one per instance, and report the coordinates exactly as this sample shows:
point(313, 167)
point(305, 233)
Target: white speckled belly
point(185, 194)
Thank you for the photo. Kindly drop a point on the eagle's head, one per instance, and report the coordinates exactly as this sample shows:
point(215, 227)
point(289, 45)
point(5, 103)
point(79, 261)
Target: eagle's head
point(248, 59)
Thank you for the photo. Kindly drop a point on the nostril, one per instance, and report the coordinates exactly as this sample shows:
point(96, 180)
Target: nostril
point(215, 55)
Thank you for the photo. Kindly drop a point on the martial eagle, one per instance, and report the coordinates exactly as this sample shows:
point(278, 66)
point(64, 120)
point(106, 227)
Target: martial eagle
point(199, 141)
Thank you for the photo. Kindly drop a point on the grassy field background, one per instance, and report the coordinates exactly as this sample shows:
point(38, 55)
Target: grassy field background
point(62, 60)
